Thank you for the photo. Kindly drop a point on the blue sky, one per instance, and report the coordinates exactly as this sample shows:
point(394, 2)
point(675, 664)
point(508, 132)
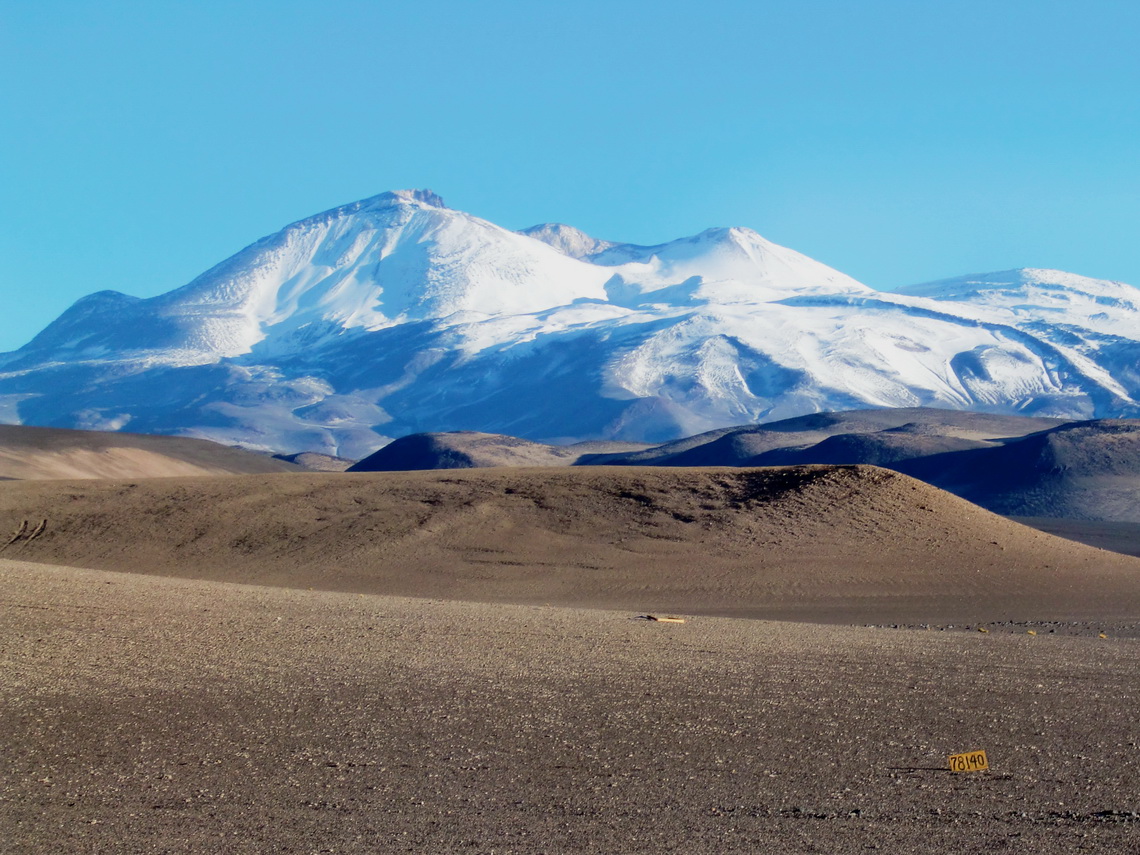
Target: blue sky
point(142, 142)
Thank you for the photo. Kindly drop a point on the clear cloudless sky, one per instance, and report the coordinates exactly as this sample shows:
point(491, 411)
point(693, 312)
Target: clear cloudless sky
point(899, 141)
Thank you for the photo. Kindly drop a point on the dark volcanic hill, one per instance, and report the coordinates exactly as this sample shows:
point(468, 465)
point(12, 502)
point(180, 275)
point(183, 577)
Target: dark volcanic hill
point(1083, 470)
point(742, 446)
point(883, 448)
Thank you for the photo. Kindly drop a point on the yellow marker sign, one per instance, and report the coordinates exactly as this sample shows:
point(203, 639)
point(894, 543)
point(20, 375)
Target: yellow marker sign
point(971, 761)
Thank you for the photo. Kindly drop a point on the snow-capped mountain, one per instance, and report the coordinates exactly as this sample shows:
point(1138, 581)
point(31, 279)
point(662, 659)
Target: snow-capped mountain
point(396, 314)
point(1047, 298)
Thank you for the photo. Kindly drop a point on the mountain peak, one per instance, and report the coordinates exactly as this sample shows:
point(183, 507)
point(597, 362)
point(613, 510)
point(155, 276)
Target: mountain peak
point(423, 197)
point(388, 201)
point(568, 240)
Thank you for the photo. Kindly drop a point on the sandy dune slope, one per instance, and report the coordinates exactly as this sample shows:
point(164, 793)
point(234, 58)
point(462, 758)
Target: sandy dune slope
point(147, 715)
point(34, 453)
point(314, 461)
point(851, 544)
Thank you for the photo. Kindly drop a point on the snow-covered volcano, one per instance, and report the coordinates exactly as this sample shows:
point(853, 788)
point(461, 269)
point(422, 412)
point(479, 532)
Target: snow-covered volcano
point(396, 314)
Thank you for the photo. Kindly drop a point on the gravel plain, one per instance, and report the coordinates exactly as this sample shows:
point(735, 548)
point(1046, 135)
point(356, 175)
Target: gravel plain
point(141, 714)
